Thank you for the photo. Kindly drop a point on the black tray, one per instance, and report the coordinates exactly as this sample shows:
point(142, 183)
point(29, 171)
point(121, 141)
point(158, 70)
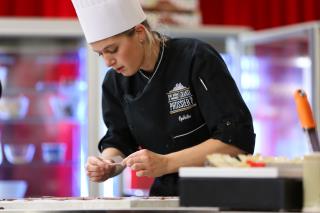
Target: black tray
point(242, 193)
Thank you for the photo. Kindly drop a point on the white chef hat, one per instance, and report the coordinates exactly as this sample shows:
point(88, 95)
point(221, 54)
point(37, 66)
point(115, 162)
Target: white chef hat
point(102, 19)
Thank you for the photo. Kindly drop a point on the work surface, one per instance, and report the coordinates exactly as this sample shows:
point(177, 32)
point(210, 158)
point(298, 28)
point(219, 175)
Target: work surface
point(87, 203)
point(100, 205)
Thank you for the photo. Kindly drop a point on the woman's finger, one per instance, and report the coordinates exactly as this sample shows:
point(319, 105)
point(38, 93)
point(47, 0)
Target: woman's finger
point(95, 161)
point(142, 173)
point(135, 155)
point(137, 159)
point(93, 168)
point(138, 166)
point(107, 161)
point(95, 174)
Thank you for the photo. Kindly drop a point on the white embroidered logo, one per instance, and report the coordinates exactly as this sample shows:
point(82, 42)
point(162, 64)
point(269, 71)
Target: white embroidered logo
point(184, 117)
point(180, 99)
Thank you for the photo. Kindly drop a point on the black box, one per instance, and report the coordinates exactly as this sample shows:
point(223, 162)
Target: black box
point(242, 193)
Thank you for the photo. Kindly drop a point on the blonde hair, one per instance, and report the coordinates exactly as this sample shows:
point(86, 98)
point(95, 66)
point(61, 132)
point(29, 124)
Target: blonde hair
point(152, 36)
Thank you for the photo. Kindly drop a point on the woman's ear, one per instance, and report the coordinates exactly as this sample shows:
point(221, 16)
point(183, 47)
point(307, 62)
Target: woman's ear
point(141, 32)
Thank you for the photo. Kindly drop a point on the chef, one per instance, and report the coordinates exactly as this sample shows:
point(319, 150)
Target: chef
point(166, 102)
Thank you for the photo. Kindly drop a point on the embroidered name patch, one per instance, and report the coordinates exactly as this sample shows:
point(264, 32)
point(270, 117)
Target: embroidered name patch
point(184, 117)
point(180, 99)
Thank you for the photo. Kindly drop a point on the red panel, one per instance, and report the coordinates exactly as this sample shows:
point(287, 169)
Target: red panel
point(6, 7)
point(26, 8)
point(309, 12)
point(212, 11)
point(245, 13)
point(293, 11)
point(260, 14)
point(65, 8)
point(316, 9)
point(49, 8)
point(230, 12)
point(276, 15)
point(140, 182)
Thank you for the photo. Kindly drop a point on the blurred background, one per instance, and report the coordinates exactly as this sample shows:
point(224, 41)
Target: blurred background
point(256, 14)
point(50, 116)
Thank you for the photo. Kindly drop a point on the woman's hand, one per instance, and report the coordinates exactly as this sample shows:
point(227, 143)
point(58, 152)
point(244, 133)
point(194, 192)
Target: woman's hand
point(99, 169)
point(147, 163)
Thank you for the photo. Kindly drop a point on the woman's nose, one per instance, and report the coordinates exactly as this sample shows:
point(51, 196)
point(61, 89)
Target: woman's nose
point(110, 61)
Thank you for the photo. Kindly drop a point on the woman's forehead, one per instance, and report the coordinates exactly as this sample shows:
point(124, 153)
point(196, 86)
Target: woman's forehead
point(107, 42)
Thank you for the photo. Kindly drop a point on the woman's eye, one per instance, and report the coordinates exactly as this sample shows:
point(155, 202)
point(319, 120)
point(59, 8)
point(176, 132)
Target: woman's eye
point(113, 50)
point(108, 51)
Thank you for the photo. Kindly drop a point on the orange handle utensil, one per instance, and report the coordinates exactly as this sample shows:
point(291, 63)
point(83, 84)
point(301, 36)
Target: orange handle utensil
point(306, 119)
point(304, 110)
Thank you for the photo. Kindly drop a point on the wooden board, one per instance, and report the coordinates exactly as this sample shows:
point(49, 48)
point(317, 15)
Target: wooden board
point(84, 203)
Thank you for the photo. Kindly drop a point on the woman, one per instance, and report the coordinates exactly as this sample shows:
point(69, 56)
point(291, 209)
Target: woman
point(167, 103)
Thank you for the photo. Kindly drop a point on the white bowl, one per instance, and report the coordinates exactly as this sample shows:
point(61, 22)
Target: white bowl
point(53, 152)
point(13, 107)
point(63, 107)
point(19, 153)
point(12, 189)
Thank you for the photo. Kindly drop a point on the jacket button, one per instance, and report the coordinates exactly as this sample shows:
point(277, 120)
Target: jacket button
point(228, 123)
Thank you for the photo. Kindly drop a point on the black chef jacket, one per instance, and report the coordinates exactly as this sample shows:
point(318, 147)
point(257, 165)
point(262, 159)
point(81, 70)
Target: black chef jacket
point(190, 98)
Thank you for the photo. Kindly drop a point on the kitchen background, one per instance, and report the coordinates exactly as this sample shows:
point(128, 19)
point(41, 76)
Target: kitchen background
point(50, 116)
